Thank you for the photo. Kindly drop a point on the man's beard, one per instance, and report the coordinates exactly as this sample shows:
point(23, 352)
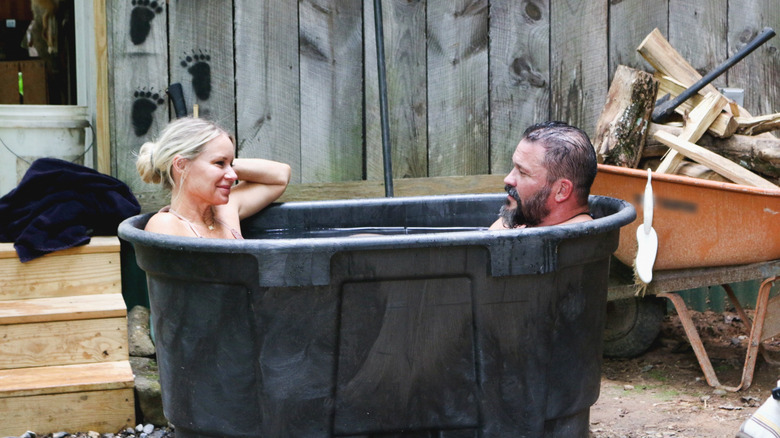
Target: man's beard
point(530, 213)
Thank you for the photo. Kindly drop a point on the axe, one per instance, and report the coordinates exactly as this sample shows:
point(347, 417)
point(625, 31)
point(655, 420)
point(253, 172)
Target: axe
point(664, 107)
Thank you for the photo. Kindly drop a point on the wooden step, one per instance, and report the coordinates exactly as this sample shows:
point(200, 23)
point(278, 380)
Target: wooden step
point(87, 269)
point(62, 308)
point(62, 342)
point(21, 382)
point(97, 396)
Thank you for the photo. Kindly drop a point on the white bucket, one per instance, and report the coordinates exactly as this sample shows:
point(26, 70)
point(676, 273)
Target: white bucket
point(29, 132)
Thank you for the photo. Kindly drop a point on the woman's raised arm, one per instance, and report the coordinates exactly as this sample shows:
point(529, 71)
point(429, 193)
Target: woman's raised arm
point(261, 182)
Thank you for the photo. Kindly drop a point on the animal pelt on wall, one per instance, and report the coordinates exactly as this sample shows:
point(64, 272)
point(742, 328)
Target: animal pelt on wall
point(46, 27)
point(52, 37)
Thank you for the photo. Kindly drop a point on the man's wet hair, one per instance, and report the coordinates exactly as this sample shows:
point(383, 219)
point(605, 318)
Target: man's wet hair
point(568, 154)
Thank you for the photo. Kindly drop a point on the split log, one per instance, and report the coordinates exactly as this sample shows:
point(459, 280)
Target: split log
point(758, 124)
point(757, 153)
point(697, 122)
point(663, 57)
point(622, 127)
point(657, 51)
point(686, 168)
point(719, 164)
point(724, 125)
point(700, 171)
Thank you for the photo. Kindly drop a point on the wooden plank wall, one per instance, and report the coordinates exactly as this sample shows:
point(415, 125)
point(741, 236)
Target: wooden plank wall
point(296, 81)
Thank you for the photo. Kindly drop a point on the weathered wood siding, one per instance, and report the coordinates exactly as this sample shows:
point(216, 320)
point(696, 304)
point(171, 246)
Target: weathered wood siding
point(296, 81)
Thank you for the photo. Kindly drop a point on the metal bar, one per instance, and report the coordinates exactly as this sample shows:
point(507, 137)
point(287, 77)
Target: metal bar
point(690, 278)
point(693, 338)
point(740, 311)
point(755, 332)
point(380, 63)
point(754, 343)
point(748, 322)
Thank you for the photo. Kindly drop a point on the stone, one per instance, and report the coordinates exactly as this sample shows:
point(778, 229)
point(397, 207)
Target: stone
point(148, 391)
point(139, 332)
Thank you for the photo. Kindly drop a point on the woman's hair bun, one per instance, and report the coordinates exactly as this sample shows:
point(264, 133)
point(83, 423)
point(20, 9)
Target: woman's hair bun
point(145, 164)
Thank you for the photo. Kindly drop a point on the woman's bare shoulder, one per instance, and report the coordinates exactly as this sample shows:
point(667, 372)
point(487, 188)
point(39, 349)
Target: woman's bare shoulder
point(167, 223)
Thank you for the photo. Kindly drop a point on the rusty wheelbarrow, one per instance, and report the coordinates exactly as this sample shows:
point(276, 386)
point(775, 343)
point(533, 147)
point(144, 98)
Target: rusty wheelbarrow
point(709, 233)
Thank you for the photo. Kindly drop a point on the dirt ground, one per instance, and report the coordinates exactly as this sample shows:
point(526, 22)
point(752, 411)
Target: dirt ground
point(663, 393)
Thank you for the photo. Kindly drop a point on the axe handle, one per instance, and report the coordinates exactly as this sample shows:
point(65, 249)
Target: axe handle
point(663, 111)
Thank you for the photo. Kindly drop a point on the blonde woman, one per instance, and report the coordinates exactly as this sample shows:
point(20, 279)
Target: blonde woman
point(195, 159)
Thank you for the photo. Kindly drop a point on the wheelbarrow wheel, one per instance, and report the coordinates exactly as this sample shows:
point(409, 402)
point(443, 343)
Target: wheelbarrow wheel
point(632, 324)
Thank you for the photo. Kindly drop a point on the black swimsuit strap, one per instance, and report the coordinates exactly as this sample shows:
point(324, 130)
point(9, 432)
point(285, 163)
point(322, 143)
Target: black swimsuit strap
point(579, 214)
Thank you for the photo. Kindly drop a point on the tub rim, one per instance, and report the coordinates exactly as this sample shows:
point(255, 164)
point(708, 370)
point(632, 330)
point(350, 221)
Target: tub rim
point(130, 230)
point(312, 255)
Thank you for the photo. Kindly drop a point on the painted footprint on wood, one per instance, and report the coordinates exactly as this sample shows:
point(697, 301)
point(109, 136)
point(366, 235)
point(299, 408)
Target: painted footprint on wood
point(146, 101)
point(141, 19)
point(197, 65)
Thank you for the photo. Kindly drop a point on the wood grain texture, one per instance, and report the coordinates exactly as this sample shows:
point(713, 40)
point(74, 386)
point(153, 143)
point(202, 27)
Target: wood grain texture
point(99, 411)
point(578, 41)
point(441, 185)
point(268, 104)
point(465, 77)
point(201, 57)
point(458, 113)
point(723, 166)
point(519, 74)
point(65, 378)
point(699, 33)
point(666, 60)
point(63, 343)
point(331, 69)
point(757, 125)
point(626, 30)
point(44, 277)
point(621, 129)
point(102, 108)
point(97, 244)
point(34, 82)
point(724, 125)
point(756, 73)
point(757, 153)
point(699, 119)
point(9, 77)
point(404, 47)
point(137, 73)
point(62, 308)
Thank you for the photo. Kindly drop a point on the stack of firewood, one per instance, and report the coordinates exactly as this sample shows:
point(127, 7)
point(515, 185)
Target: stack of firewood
point(709, 136)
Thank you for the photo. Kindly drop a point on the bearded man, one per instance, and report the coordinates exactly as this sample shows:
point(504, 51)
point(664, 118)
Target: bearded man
point(554, 166)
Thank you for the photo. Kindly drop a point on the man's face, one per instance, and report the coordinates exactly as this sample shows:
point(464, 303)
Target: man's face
point(527, 187)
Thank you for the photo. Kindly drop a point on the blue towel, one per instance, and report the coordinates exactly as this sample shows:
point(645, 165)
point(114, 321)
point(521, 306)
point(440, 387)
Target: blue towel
point(59, 205)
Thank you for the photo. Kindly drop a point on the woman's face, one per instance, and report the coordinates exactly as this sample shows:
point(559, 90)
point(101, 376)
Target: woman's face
point(210, 176)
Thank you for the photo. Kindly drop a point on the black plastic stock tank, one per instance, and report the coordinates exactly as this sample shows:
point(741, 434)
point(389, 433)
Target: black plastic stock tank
point(399, 316)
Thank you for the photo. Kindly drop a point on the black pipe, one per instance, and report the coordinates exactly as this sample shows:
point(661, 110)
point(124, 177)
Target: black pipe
point(380, 63)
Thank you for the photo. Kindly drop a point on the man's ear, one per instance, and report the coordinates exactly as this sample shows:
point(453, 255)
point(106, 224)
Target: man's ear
point(563, 189)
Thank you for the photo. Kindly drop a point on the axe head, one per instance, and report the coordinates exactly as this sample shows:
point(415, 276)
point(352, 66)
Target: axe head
point(663, 109)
